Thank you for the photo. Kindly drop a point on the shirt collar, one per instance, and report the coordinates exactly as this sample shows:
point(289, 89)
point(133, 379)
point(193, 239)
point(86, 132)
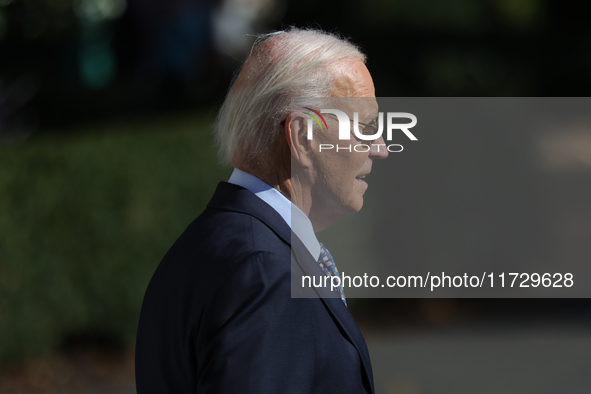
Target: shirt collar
point(294, 217)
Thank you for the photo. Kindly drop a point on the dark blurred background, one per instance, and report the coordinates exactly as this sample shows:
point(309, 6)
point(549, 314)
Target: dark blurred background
point(67, 62)
point(106, 156)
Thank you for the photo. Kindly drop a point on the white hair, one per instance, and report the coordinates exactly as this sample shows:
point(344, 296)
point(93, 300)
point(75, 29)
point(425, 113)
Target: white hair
point(281, 66)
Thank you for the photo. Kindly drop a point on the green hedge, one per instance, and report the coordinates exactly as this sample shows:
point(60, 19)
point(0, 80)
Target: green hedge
point(86, 216)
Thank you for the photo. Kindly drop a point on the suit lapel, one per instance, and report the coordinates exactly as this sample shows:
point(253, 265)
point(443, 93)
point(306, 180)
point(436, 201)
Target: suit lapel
point(334, 305)
point(343, 316)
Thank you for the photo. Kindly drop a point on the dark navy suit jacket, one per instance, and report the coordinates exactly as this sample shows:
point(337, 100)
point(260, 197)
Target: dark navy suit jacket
point(218, 316)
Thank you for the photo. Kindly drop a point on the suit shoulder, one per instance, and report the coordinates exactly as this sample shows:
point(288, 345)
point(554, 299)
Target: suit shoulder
point(214, 244)
point(226, 232)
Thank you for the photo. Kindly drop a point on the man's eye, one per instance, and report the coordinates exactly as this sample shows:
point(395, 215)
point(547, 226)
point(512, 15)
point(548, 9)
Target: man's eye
point(370, 129)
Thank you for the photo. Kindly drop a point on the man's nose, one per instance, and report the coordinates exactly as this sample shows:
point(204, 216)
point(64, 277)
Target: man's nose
point(378, 149)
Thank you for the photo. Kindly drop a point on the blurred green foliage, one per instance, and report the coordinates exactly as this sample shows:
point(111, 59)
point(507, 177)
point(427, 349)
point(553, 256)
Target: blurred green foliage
point(85, 218)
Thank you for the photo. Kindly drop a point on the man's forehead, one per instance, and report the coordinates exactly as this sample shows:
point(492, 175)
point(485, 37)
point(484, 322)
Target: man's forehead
point(366, 107)
point(352, 79)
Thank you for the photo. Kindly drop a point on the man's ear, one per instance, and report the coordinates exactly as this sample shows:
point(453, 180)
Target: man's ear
point(296, 133)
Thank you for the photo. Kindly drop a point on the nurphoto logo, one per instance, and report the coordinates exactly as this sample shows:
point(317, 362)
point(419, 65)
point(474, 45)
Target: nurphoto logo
point(362, 131)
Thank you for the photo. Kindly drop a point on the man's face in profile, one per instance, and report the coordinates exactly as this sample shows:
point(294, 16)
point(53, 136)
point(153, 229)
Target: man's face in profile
point(340, 176)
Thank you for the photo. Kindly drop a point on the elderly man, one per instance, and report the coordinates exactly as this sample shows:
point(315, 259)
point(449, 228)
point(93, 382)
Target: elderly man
point(218, 315)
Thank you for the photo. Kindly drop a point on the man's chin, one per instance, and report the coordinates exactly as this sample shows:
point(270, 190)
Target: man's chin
point(356, 205)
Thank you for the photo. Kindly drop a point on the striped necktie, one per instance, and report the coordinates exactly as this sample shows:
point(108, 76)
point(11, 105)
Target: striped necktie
point(330, 269)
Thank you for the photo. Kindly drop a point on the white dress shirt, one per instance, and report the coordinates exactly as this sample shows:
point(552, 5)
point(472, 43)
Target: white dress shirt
point(294, 217)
